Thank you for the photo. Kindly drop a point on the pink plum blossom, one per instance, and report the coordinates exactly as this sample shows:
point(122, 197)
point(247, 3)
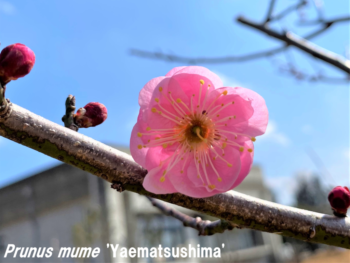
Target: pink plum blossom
point(195, 136)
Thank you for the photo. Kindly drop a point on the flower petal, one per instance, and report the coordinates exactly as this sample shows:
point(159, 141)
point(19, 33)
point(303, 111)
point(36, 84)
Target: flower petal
point(137, 154)
point(246, 164)
point(249, 110)
point(197, 70)
point(174, 71)
point(258, 122)
point(147, 91)
point(153, 183)
point(156, 156)
point(226, 166)
point(191, 85)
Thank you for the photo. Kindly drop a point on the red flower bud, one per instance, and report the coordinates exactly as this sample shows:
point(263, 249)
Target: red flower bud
point(339, 198)
point(91, 115)
point(16, 61)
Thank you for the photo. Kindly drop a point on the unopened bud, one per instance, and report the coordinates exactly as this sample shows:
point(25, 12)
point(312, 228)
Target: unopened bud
point(91, 115)
point(16, 61)
point(339, 198)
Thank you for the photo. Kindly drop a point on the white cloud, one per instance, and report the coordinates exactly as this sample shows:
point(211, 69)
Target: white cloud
point(272, 134)
point(7, 8)
point(284, 188)
point(347, 153)
point(228, 81)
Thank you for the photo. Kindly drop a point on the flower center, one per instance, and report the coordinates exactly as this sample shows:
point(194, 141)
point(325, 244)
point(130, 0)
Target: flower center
point(198, 131)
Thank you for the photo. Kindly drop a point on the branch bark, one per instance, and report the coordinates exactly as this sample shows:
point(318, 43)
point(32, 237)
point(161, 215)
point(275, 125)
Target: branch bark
point(205, 228)
point(302, 44)
point(33, 131)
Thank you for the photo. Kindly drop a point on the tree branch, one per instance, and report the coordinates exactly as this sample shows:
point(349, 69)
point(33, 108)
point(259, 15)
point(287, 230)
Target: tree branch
point(269, 12)
point(33, 131)
point(302, 44)
point(205, 228)
point(288, 10)
point(325, 22)
point(194, 61)
point(217, 60)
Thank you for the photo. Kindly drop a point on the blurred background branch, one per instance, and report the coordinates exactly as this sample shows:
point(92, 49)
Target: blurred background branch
point(288, 38)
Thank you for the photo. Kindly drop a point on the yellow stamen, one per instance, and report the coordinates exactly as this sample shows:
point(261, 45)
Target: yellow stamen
point(154, 110)
point(241, 149)
point(165, 145)
point(250, 150)
point(201, 81)
point(253, 139)
point(225, 93)
point(229, 165)
point(233, 102)
point(219, 179)
point(224, 145)
point(212, 186)
point(178, 100)
point(156, 99)
point(162, 179)
point(148, 129)
point(139, 134)
point(139, 146)
point(164, 172)
point(160, 89)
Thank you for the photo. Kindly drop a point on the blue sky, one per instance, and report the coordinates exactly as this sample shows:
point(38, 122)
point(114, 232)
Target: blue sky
point(82, 48)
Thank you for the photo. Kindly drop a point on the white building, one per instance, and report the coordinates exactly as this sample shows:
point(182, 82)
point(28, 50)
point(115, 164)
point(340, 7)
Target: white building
point(67, 207)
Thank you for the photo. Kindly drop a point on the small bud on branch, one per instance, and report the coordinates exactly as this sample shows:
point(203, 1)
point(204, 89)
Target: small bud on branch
point(339, 199)
point(16, 61)
point(91, 115)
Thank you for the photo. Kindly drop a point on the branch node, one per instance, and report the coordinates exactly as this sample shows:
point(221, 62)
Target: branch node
point(312, 232)
point(68, 118)
point(118, 186)
point(5, 104)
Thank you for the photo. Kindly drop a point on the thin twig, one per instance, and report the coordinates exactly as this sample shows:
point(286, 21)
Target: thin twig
point(219, 60)
point(194, 61)
point(288, 10)
point(302, 44)
point(301, 75)
point(269, 12)
point(68, 118)
point(2, 97)
point(325, 22)
point(204, 227)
